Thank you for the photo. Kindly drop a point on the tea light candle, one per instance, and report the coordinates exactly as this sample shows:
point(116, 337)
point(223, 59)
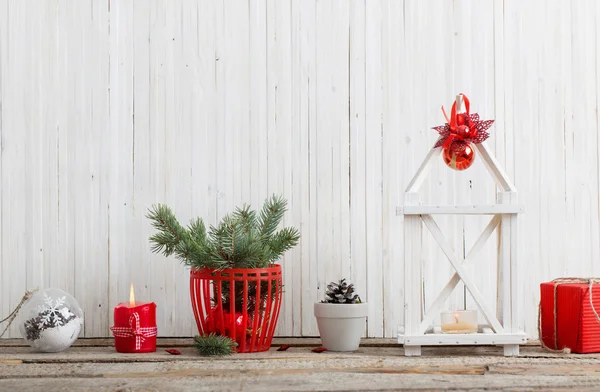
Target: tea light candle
point(135, 326)
point(459, 321)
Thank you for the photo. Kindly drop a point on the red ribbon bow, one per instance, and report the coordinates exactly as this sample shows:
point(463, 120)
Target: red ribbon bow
point(462, 129)
point(134, 330)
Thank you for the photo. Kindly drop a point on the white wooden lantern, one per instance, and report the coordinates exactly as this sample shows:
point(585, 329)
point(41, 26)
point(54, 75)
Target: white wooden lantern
point(503, 327)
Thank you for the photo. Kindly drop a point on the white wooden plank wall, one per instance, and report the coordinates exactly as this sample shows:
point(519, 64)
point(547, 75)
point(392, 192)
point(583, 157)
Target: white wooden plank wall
point(109, 106)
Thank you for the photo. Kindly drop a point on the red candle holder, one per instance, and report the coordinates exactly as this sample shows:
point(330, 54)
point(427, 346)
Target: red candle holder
point(135, 327)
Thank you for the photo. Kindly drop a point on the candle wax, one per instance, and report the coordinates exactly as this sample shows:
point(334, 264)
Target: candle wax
point(459, 328)
point(147, 315)
point(460, 321)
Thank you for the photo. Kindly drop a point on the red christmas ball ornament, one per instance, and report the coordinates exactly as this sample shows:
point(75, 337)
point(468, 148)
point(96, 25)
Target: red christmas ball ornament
point(458, 158)
point(460, 133)
point(464, 132)
point(241, 325)
point(222, 324)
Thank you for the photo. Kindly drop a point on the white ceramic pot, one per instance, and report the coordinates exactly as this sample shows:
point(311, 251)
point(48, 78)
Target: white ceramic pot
point(341, 325)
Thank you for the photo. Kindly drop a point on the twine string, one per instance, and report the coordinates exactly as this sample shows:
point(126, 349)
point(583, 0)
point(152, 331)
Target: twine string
point(11, 317)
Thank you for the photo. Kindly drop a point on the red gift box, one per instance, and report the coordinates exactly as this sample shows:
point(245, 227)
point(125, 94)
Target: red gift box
point(569, 317)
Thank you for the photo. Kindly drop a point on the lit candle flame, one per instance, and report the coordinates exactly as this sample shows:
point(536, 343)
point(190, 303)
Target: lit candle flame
point(131, 296)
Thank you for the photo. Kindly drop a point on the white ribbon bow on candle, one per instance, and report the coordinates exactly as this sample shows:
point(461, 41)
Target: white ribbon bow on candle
point(134, 330)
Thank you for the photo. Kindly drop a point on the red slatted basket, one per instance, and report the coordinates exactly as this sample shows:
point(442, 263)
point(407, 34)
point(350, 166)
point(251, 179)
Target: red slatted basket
point(248, 321)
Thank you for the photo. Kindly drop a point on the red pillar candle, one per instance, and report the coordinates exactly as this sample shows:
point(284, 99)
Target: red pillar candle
point(135, 327)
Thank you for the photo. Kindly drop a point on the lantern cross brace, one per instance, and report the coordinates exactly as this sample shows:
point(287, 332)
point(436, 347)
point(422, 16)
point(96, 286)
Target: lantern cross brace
point(460, 273)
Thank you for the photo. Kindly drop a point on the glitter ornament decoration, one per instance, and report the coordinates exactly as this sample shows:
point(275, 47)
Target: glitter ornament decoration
point(50, 321)
point(460, 133)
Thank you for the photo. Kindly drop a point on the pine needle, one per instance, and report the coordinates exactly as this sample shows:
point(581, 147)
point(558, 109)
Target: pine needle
point(210, 345)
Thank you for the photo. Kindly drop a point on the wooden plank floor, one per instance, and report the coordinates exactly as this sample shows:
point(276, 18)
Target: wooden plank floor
point(379, 365)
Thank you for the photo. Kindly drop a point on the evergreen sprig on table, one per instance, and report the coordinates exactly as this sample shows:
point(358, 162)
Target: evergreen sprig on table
point(243, 239)
point(211, 345)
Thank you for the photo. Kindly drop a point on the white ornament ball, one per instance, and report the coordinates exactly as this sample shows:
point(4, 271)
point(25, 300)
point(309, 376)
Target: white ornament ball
point(50, 321)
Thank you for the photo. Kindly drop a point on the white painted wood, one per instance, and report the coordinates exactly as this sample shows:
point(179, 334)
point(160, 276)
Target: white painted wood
point(460, 102)
point(483, 237)
point(374, 209)
point(462, 210)
point(17, 245)
point(412, 351)
point(419, 177)
point(299, 180)
point(434, 310)
point(358, 147)
point(412, 272)
point(152, 40)
point(511, 350)
point(332, 148)
point(385, 26)
point(500, 276)
point(465, 339)
point(505, 261)
point(515, 298)
point(400, 334)
point(231, 102)
point(308, 119)
point(494, 168)
point(279, 116)
point(469, 283)
point(436, 307)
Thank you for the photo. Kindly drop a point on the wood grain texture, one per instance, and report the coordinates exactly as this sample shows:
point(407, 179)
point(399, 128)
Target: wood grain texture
point(107, 107)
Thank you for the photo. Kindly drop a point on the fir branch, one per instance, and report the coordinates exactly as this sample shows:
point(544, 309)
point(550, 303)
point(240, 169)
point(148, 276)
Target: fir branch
point(199, 256)
point(242, 239)
point(189, 246)
point(248, 249)
point(209, 345)
point(271, 215)
point(283, 241)
point(197, 230)
point(217, 236)
point(221, 238)
point(170, 232)
point(246, 217)
point(232, 236)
